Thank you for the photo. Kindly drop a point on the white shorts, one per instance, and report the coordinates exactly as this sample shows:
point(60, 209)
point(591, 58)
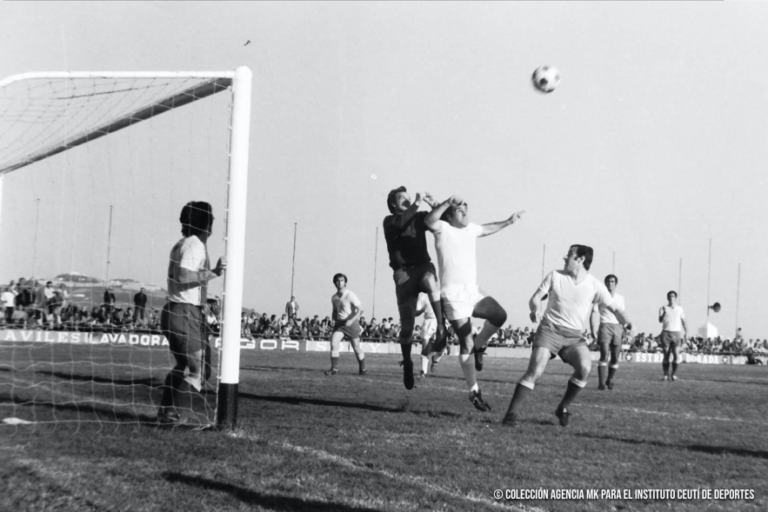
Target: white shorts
point(428, 329)
point(459, 300)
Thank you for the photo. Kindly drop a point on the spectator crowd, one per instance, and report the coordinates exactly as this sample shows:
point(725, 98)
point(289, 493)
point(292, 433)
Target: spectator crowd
point(27, 305)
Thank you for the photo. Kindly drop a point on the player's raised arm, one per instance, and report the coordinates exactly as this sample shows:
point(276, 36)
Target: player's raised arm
point(401, 221)
point(662, 313)
point(493, 227)
point(433, 217)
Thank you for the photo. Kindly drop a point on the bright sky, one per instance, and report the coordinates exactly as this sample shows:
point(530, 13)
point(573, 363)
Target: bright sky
point(653, 144)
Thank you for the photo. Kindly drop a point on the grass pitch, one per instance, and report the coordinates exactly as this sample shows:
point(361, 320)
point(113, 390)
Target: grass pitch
point(363, 443)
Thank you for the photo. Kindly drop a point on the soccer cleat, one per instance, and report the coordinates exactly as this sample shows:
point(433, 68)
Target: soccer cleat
point(408, 374)
point(510, 419)
point(674, 378)
point(433, 365)
point(665, 378)
point(422, 376)
point(168, 417)
point(477, 400)
point(479, 353)
point(601, 386)
point(563, 415)
point(363, 371)
point(332, 371)
point(609, 384)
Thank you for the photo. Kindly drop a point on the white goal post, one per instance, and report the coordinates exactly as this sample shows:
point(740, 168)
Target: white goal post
point(24, 147)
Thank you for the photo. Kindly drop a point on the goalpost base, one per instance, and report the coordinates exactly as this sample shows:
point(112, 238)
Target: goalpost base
point(226, 410)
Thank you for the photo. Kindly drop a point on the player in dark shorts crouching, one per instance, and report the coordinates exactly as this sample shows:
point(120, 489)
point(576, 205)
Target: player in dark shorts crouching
point(414, 272)
point(182, 320)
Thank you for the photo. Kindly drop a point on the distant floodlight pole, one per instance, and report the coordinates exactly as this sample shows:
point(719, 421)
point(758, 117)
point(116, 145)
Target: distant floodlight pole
point(709, 273)
point(34, 249)
point(543, 259)
point(293, 265)
point(109, 246)
point(680, 280)
point(229, 361)
point(738, 287)
point(375, 261)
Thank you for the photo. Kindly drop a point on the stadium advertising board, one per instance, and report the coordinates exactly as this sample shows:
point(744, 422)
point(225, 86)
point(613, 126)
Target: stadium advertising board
point(83, 338)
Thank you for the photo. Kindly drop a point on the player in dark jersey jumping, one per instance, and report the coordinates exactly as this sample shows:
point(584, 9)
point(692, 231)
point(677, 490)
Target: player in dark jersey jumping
point(414, 271)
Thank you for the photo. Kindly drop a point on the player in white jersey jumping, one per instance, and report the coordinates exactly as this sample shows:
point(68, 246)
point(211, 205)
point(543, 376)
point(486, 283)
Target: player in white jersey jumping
point(609, 334)
point(672, 318)
point(455, 243)
point(572, 293)
point(346, 313)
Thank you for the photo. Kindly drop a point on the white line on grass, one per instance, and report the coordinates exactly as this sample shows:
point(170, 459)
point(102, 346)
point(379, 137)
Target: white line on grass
point(410, 480)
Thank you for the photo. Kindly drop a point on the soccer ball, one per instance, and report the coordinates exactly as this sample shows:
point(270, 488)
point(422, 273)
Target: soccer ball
point(546, 78)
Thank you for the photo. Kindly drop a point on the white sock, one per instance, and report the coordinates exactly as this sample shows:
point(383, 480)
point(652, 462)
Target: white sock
point(424, 364)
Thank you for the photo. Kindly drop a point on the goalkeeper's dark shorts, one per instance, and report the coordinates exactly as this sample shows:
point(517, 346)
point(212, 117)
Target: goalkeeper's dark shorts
point(183, 326)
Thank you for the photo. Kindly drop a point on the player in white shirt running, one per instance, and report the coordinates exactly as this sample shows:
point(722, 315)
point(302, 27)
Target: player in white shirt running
point(455, 243)
point(609, 334)
point(572, 293)
point(672, 318)
point(346, 313)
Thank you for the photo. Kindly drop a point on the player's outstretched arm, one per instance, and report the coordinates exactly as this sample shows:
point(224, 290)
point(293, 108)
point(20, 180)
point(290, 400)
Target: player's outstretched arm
point(200, 277)
point(493, 227)
point(662, 313)
point(433, 217)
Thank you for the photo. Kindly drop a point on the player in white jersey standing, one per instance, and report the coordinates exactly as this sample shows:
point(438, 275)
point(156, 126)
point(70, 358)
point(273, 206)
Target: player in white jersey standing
point(609, 334)
point(346, 313)
point(428, 330)
point(572, 293)
point(182, 320)
point(455, 243)
point(672, 319)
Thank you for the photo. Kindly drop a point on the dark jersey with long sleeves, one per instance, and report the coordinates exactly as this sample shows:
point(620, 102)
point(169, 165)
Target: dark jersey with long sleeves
point(406, 240)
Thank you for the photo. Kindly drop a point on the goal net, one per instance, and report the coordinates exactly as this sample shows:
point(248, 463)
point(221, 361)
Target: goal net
point(94, 171)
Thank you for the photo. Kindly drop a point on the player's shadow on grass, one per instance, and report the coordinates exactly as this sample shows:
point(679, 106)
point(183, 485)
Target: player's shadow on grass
point(270, 501)
point(294, 400)
point(83, 411)
point(713, 450)
point(147, 381)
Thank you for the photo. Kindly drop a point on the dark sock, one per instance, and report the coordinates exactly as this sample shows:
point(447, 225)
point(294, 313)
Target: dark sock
point(361, 362)
point(570, 393)
point(665, 367)
point(405, 348)
point(521, 393)
point(601, 374)
point(182, 396)
point(167, 400)
point(611, 373)
point(334, 362)
point(674, 369)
